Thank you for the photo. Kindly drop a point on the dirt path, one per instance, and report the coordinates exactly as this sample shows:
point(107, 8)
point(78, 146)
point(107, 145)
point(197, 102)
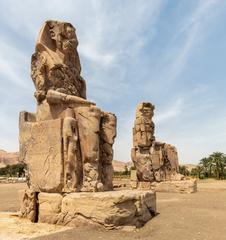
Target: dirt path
point(199, 216)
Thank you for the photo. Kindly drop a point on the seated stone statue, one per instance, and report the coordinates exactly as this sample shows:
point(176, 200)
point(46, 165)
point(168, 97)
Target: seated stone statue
point(154, 161)
point(67, 143)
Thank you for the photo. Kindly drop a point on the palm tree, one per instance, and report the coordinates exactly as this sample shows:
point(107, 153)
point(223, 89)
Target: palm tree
point(218, 162)
point(205, 163)
point(183, 170)
point(197, 171)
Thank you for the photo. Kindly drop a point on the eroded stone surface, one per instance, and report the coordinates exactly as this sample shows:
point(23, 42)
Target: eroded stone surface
point(183, 186)
point(68, 143)
point(174, 185)
point(55, 63)
point(107, 137)
point(28, 203)
point(109, 209)
point(154, 161)
point(49, 206)
point(42, 152)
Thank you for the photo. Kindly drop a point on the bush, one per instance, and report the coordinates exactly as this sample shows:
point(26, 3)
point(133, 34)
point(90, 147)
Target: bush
point(15, 170)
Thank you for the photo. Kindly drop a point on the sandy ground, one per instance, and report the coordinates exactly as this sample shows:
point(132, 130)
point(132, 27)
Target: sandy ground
point(9, 200)
point(199, 216)
point(14, 228)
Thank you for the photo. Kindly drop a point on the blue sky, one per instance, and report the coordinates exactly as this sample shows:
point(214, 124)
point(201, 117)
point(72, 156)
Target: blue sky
point(170, 53)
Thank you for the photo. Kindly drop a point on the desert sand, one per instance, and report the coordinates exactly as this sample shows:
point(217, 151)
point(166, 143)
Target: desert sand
point(198, 216)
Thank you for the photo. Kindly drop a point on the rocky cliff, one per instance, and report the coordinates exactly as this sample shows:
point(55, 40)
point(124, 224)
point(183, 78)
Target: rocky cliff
point(8, 158)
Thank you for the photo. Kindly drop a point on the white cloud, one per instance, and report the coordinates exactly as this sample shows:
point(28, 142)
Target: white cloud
point(199, 140)
point(172, 111)
point(89, 52)
point(123, 141)
point(12, 64)
point(191, 32)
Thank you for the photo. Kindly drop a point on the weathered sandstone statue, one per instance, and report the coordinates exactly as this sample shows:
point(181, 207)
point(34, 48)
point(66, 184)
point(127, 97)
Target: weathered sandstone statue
point(154, 161)
point(67, 143)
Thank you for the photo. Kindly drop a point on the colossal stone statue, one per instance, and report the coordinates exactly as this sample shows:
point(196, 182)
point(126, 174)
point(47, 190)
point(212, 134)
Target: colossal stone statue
point(154, 161)
point(67, 143)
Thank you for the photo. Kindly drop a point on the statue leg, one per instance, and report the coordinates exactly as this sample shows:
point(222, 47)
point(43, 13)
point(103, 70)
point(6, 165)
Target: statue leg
point(88, 127)
point(72, 159)
point(107, 136)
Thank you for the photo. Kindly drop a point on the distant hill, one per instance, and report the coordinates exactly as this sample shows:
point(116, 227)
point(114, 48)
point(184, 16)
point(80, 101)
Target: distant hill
point(119, 166)
point(8, 158)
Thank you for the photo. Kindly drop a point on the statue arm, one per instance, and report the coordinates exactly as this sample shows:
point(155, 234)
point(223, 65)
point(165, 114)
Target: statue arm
point(54, 97)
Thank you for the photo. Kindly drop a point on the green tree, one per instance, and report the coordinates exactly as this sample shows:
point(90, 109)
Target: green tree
point(197, 172)
point(206, 164)
point(218, 163)
point(183, 170)
point(126, 171)
point(16, 170)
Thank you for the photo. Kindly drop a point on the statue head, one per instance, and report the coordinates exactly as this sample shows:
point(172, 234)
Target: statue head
point(143, 131)
point(145, 109)
point(59, 36)
point(55, 64)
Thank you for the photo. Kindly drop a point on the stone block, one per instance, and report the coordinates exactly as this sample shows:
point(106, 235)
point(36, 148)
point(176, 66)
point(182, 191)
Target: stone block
point(28, 204)
point(110, 209)
point(42, 149)
point(49, 206)
point(183, 186)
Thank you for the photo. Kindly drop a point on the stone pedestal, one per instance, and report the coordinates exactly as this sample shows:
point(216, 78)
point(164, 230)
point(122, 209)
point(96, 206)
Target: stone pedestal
point(112, 209)
point(183, 186)
point(177, 186)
